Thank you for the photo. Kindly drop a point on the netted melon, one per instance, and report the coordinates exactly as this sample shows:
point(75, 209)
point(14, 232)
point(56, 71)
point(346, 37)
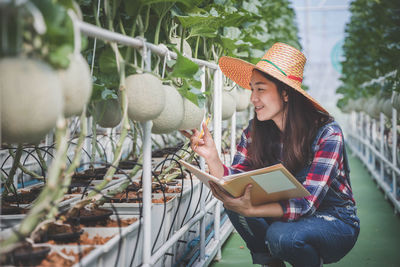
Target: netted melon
point(192, 116)
point(387, 108)
point(145, 97)
point(108, 113)
point(242, 99)
point(31, 99)
point(76, 84)
point(228, 104)
point(172, 115)
point(187, 50)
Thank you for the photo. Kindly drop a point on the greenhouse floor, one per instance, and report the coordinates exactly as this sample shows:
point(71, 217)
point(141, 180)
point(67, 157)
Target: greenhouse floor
point(379, 240)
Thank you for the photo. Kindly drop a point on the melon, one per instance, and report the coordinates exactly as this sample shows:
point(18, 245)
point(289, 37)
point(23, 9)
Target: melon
point(31, 99)
point(146, 97)
point(76, 84)
point(187, 50)
point(228, 104)
point(242, 99)
point(108, 113)
point(192, 116)
point(387, 108)
point(396, 101)
point(172, 115)
point(373, 109)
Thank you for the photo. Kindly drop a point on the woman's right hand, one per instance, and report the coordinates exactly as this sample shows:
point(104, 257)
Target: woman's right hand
point(204, 146)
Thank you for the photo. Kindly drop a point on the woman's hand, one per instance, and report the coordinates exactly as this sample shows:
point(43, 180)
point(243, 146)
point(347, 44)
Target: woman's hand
point(204, 146)
point(241, 205)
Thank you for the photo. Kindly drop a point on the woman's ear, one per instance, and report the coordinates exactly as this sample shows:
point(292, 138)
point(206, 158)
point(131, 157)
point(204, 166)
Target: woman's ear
point(285, 96)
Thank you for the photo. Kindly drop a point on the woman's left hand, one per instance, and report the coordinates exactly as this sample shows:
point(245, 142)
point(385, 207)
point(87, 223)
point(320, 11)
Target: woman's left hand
point(241, 205)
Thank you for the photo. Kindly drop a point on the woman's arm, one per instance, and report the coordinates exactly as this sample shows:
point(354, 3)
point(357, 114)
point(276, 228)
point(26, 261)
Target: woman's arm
point(206, 148)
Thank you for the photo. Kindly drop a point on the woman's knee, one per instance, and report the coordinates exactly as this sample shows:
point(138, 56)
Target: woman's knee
point(282, 239)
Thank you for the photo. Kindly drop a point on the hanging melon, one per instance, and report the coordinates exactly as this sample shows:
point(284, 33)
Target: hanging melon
point(396, 101)
point(228, 104)
point(187, 50)
point(242, 99)
point(146, 97)
point(373, 109)
point(387, 108)
point(31, 99)
point(172, 115)
point(76, 85)
point(108, 113)
point(192, 116)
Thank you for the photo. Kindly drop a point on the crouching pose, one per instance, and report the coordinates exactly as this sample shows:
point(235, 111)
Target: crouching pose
point(291, 128)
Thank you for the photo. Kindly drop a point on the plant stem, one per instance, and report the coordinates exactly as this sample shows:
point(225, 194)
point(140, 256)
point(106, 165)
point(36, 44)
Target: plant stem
point(9, 187)
point(74, 164)
point(94, 141)
point(197, 46)
point(45, 200)
point(93, 195)
point(25, 170)
point(41, 159)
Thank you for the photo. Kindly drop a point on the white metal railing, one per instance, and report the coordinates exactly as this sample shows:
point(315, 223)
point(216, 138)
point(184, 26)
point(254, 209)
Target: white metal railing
point(378, 151)
point(148, 259)
point(221, 232)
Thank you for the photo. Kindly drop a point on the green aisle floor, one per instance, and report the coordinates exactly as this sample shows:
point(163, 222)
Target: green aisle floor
point(379, 240)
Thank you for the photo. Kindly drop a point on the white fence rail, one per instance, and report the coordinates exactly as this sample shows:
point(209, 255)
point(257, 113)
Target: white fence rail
point(376, 145)
point(210, 248)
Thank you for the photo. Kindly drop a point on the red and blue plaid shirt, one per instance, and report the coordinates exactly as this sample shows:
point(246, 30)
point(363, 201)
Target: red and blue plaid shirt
point(326, 171)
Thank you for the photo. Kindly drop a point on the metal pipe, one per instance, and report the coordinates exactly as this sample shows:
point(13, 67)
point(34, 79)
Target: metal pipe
point(367, 145)
point(394, 152)
point(217, 139)
point(203, 195)
point(382, 137)
point(147, 177)
point(233, 137)
point(97, 32)
point(171, 241)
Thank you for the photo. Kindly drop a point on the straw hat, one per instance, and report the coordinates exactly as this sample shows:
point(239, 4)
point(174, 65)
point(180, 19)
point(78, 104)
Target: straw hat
point(281, 61)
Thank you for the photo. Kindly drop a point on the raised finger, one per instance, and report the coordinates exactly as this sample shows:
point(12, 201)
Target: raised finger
point(185, 133)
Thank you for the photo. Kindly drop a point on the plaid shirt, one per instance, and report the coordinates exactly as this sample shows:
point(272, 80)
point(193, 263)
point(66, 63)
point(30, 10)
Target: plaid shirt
point(326, 171)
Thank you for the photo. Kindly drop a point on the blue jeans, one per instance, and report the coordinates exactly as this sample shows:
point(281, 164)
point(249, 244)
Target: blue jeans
point(326, 236)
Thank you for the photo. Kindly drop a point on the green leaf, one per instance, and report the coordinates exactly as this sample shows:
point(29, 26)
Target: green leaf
point(107, 61)
point(60, 56)
point(184, 67)
point(108, 94)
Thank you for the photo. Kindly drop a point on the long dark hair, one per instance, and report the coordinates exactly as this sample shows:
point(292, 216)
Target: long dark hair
point(300, 127)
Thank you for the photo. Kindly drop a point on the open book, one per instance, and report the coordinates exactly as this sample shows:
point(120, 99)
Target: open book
point(270, 184)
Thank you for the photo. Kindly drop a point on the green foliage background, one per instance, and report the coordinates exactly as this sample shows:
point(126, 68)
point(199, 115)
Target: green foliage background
point(371, 50)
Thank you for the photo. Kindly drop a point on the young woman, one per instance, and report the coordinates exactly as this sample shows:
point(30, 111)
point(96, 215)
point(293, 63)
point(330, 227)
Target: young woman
point(290, 127)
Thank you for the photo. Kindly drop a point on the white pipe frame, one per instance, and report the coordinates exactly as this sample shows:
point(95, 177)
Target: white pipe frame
point(364, 148)
point(217, 105)
point(148, 259)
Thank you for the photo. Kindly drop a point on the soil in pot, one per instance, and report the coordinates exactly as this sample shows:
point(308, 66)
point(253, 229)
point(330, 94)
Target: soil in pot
point(24, 196)
point(55, 260)
point(114, 223)
point(62, 233)
point(127, 164)
point(85, 240)
point(90, 217)
point(26, 255)
point(12, 210)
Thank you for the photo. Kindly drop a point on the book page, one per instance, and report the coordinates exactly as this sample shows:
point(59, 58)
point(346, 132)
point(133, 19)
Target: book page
point(274, 181)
